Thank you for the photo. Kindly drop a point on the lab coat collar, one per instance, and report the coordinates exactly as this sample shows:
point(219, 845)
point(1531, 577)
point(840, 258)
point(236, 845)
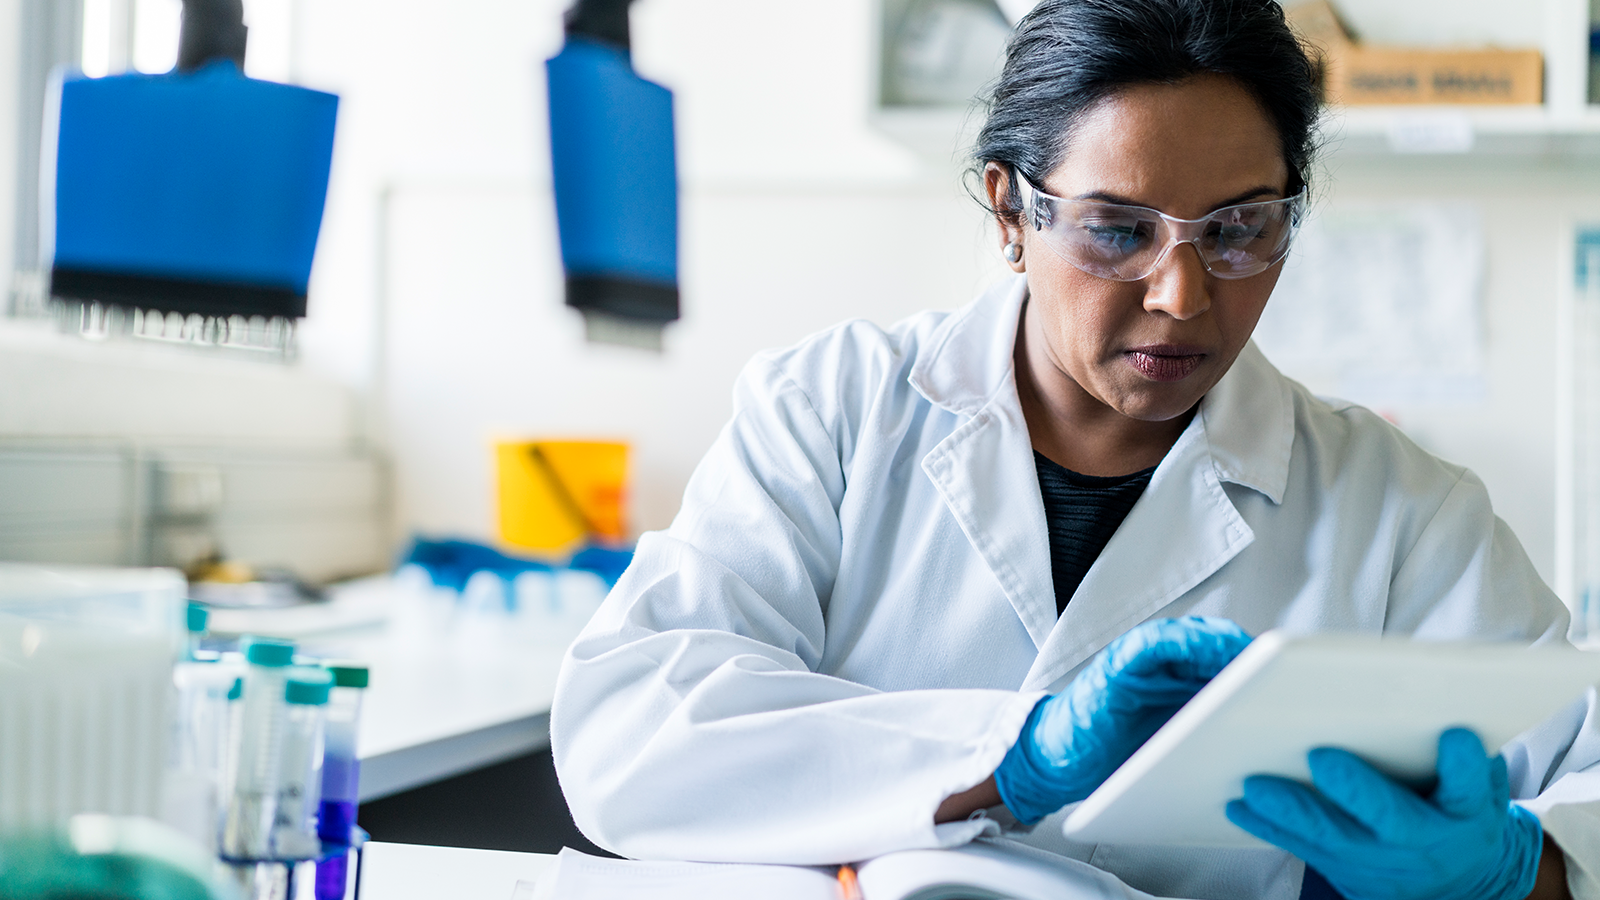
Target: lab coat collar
point(1249, 424)
point(984, 468)
point(971, 350)
point(1248, 418)
point(1184, 528)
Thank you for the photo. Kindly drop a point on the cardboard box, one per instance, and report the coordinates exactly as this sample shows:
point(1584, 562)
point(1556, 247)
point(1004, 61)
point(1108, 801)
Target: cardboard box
point(1354, 73)
point(1357, 75)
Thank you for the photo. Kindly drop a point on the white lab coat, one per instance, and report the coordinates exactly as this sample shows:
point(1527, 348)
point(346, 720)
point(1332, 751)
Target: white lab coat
point(853, 613)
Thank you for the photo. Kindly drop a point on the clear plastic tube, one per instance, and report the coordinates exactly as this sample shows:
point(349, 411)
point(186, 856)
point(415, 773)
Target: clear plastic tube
point(194, 787)
point(294, 830)
point(253, 799)
point(227, 776)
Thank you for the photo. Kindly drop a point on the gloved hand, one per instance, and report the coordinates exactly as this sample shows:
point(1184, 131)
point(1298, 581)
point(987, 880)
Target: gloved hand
point(1371, 837)
point(1074, 740)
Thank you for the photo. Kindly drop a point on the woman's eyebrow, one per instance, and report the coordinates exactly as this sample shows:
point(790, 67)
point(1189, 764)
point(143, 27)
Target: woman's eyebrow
point(1252, 194)
point(1246, 197)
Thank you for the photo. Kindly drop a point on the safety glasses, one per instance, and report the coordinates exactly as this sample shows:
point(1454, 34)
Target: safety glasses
point(1126, 243)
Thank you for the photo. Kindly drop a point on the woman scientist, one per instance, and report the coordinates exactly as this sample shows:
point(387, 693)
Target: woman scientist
point(935, 578)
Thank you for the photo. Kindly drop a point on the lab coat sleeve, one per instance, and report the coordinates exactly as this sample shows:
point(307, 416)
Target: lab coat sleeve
point(1554, 767)
point(689, 719)
point(1467, 574)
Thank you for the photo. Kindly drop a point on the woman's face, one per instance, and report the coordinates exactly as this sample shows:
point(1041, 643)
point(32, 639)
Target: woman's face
point(1150, 349)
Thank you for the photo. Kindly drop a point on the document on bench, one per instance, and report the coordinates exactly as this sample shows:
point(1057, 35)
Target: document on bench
point(988, 869)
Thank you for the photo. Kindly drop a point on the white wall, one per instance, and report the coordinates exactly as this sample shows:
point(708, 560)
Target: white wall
point(480, 345)
point(1527, 208)
point(57, 386)
point(795, 214)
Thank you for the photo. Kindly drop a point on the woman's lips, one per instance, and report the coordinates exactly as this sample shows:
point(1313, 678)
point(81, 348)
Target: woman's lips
point(1166, 362)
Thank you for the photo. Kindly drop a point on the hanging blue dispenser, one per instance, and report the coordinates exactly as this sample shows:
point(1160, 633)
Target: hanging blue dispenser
point(198, 192)
point(615, 176)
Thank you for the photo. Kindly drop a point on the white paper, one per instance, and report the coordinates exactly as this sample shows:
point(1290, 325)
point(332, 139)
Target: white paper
point(579, 876)
point(1383, 305)
point(982, 869)
point(989, 868)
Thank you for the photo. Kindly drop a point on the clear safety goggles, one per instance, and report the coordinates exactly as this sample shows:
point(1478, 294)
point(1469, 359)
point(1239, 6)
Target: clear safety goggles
point(1126, 243)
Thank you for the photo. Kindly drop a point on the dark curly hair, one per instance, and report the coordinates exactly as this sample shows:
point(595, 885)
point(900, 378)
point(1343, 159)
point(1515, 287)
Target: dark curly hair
point(1068, 55)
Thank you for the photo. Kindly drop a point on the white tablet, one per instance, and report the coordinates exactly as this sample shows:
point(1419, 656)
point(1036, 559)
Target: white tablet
point(1385, 699)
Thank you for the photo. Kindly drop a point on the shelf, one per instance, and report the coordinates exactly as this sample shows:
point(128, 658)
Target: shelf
point(1563, 127)
point(1459, 130)
point(942, 134)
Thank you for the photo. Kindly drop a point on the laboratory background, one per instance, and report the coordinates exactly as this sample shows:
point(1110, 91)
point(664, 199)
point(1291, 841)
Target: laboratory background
point(336, 479)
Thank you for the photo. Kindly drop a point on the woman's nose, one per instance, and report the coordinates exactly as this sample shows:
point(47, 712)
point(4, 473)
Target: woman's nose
point(1178, 286)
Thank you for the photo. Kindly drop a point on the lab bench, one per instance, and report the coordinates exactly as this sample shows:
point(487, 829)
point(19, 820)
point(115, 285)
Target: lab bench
point(430, 716)
point(455, 729)
point(416, 872)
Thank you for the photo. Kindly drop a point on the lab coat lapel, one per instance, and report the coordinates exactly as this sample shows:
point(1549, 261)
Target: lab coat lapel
point(985, 472)
point(984, 469)
point(1181, 531)
point(1185, 527)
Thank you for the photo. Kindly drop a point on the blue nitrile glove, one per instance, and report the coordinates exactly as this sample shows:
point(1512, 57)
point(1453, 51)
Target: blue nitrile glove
point(1074, 740)
point(1371, 837)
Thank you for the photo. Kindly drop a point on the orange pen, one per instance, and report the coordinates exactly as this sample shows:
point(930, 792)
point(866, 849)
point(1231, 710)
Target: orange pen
point(849, 889)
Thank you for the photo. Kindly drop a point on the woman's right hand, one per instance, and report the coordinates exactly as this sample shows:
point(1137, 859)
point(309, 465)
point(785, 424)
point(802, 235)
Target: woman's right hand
point(1074, 740)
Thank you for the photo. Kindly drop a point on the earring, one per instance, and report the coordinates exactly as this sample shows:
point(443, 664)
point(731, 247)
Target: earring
point(1012, 252)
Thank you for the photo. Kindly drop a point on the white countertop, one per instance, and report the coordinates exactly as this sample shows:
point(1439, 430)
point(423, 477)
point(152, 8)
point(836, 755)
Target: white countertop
point(417, 872)
point(435, 712)
point(448, 693)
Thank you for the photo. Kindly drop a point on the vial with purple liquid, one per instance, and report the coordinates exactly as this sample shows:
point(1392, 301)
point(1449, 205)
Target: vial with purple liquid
point(341, 775)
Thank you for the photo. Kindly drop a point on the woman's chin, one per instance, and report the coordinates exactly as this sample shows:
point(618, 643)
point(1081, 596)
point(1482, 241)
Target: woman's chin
point(1148, 400)
point(1157, 405)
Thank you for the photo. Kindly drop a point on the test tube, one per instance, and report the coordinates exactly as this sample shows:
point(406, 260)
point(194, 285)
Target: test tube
point(294, 831)
point(227, 777)
point(341, 777)
point(196, 617)
point(253, 800)
point(194, 786)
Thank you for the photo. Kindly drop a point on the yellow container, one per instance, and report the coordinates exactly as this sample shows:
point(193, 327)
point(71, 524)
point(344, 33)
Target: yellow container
point(555, 494)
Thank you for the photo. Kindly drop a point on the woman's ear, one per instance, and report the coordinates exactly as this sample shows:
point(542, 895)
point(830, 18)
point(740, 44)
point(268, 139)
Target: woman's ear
point(1007, 217)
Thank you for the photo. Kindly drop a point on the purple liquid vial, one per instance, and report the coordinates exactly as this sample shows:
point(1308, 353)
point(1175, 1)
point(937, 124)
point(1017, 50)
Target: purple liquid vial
point(341, 780)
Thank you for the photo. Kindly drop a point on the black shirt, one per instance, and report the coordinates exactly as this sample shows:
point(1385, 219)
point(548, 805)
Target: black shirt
point(1082, 513)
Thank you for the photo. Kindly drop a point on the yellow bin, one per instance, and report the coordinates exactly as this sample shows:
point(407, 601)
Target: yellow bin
point(555, 494)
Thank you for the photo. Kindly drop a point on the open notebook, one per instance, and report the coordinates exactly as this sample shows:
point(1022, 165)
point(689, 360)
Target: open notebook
point(984, 870)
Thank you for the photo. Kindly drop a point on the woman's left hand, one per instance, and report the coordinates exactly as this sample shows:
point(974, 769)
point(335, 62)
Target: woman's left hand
point(1371, 837)
point(1074, 740)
